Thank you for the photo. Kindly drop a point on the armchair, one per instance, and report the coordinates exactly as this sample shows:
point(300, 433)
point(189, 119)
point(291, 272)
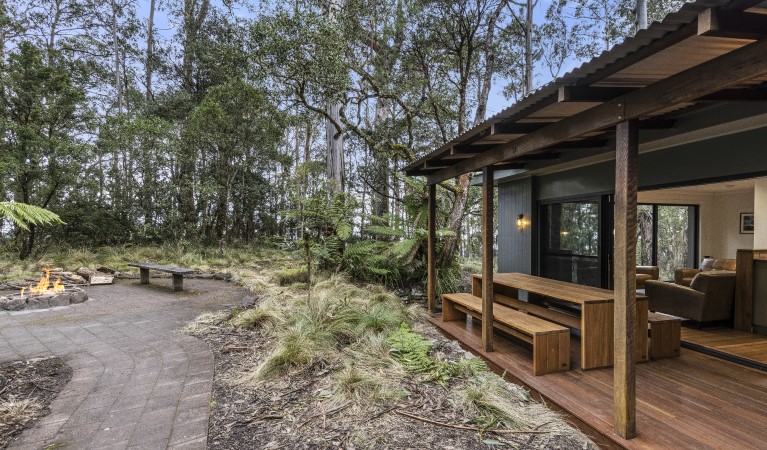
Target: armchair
point(709, 297)
point(646, 273)
point(685, 276)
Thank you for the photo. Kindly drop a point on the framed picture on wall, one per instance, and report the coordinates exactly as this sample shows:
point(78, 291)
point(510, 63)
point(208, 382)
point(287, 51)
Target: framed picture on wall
point(746, 223)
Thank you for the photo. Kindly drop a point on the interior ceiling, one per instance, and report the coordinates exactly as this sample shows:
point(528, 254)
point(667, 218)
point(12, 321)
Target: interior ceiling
point(746, 185)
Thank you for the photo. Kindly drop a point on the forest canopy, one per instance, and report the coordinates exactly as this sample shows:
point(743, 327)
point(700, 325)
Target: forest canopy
point(235, 121)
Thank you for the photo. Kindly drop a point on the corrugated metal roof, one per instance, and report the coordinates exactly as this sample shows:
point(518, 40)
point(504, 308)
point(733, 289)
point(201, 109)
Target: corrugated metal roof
point(663, 49)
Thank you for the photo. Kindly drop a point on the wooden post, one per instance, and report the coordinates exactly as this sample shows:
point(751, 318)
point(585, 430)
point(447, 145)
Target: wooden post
point(144, 276)
point(431, 246)
point(487, 259)
point(626, 180)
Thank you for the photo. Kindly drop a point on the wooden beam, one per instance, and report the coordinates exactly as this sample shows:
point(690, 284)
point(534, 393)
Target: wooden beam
point(539, 157)
point(624, 311)
point(509, 166)
point(487, 258)
point(656, 124)
point(758, 94)
point(582, 143)
point(732, 24)
point(517, 128)
point(431, 251)
point(589, 94)
point(737, 66)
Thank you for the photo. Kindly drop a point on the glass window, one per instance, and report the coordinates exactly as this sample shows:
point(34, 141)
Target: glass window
point(666, 237)
point(570, 242)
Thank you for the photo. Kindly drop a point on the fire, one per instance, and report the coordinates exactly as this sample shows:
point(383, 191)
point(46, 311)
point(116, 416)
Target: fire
point(44, 286)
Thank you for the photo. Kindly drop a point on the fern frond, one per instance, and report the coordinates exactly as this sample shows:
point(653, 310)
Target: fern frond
point(24, 215)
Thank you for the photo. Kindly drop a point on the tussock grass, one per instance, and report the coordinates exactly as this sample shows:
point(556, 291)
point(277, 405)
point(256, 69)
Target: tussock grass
point(204, 259)
point(14, 413)
point(205, 321)
point(488, 398)
point(263, 315)
point(358, 384)
point(290, 276)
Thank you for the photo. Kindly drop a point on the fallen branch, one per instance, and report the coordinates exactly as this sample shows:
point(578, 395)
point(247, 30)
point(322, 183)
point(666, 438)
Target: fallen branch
point(464, 427)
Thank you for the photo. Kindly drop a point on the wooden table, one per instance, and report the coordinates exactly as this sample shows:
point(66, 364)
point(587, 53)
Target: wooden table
point(596, 317)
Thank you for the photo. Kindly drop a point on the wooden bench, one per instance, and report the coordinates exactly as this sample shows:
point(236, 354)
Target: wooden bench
point(177, 272)
point(551, 342)
point(665, 335)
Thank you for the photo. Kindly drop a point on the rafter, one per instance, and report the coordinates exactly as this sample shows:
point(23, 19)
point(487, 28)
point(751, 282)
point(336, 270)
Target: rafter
point(737, 66)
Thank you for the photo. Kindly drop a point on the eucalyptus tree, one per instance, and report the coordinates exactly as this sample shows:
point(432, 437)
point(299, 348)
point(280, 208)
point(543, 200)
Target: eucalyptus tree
point(43, 119)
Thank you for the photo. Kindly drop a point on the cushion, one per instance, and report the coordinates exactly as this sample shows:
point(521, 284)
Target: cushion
point(642, 277)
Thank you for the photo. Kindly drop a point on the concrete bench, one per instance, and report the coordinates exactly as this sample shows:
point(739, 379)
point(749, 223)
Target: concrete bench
point(177, 272)
point(665, 335)
point(551, 342)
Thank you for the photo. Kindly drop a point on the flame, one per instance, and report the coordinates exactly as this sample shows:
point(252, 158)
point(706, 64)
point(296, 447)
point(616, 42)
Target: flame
point(44, 286)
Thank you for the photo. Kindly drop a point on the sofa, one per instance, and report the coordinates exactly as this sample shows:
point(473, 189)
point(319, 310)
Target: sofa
point(685, 276)
point(709, 297)
point(646, 273)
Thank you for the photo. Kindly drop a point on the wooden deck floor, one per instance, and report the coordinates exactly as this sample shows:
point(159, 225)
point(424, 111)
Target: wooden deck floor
point(694, 401)
point(732, 342)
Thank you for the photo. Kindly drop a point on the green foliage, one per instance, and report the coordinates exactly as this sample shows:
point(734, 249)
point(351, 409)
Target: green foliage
point(412, 351)
point(22, 215)
point(359, 384)
point(292, 275)
point(493, 405)
point(255, 317)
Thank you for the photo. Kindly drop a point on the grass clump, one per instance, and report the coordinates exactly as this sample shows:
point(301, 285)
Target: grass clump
point(358, 384)
point(255, 317)
point(488, 398)
point(206, 321)
point(298, 275)
point(15, 413)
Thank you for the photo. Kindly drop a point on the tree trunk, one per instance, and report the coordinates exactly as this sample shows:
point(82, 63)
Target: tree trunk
point(149, 65)
point(529, 47)
point(378, 197)
point(487, 77)
point(641, 14)
point(116, 50)
point(335, 145)
point(455, 220)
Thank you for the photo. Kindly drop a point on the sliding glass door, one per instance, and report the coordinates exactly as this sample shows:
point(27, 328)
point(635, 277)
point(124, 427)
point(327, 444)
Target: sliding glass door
point(570, 241)
point(667, 237)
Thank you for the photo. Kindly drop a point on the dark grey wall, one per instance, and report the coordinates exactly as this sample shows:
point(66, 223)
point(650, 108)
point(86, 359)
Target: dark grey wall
point(723, 157)
point(728, 157)
point(515, 245)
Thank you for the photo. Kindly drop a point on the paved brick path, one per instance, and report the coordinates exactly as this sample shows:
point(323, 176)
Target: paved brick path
point(137, 381)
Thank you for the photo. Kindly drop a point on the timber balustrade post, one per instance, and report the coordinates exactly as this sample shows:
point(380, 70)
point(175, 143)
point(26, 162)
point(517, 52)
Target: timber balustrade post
point(626, 181)
point(431, 246)
point(487, 259)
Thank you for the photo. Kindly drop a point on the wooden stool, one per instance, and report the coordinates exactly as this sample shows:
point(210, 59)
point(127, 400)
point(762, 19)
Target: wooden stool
point(665, 335)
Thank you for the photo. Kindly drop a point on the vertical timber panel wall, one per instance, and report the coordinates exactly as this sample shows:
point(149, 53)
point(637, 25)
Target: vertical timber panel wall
point(626, 182)
point(515, 247)
point(487, 258)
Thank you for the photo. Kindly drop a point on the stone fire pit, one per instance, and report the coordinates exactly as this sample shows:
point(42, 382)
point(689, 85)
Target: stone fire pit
point(70, 296)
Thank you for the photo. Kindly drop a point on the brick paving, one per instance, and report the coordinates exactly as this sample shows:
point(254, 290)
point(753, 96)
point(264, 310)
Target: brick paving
point(138, 382)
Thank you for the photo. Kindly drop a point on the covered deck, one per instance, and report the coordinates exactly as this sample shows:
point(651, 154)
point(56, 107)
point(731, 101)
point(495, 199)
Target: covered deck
point(694, 401)
point(666, 87)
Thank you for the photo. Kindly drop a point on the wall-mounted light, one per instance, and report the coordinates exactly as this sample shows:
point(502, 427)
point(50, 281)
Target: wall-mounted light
point(521, 222)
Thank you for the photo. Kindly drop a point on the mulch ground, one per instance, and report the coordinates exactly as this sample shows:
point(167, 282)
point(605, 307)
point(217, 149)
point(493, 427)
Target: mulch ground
point(26, 391)
point(288, 414)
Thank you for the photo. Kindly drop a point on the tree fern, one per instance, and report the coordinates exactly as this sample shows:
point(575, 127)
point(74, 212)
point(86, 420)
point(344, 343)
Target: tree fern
point(24, 215)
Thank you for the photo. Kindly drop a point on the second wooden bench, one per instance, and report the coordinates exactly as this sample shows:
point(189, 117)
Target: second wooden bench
point(551, 342)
